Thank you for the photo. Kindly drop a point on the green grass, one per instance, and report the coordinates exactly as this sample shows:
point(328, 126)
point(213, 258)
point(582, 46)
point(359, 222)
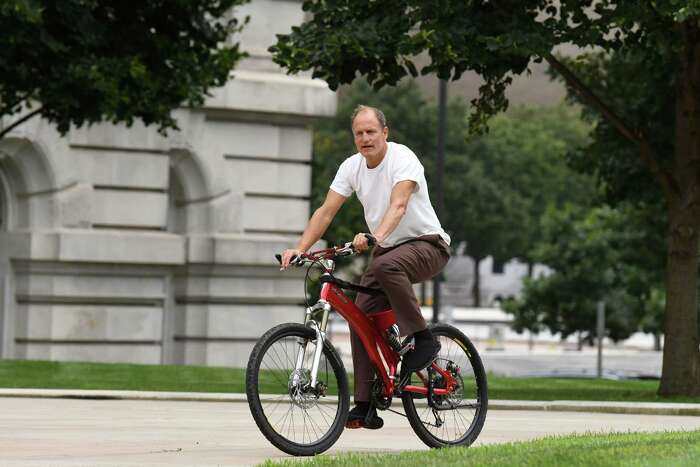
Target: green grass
point(71, 375)
point(122, 376)
point(550, 389)
point(620, 449)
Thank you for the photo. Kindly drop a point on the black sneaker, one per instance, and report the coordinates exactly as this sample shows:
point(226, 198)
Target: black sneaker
point(361, 416)
point(421, 356)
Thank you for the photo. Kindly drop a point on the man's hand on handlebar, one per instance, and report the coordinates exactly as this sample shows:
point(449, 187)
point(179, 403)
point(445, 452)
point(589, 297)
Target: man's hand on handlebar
point(291, 256)
point(363, 241)
point(287, 257)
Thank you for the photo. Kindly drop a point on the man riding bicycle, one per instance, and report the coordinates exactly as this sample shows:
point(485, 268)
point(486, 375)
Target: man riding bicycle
point(412, 247)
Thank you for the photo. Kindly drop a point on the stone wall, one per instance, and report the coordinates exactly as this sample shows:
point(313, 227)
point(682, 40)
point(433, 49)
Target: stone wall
point(121, 244)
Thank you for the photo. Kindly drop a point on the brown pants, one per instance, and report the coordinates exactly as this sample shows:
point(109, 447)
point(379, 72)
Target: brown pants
point(394, 270)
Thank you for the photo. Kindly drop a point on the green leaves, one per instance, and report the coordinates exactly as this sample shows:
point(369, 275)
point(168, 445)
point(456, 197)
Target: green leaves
point(523, 158)
point(596, 254)
point(22, 10)
point(639, 85)
point(379, 40)
point(98, 60)
point(683, 10)
point(344, 39)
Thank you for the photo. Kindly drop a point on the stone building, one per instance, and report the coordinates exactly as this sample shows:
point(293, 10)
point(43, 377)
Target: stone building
point(120, 244)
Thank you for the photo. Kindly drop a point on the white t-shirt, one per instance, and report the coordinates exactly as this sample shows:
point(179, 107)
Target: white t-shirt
point(373, 188)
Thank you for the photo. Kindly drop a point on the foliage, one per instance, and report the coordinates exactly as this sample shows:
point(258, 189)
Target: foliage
point(684, 9)
point(523, 158)
point(482, 212)
point(647, 104)
point(509, 177)
point(493, 39)
point(76, 62)
point(601, 254)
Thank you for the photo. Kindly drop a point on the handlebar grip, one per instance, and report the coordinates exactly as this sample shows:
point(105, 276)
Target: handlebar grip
point(291, 261)
point(370, 239)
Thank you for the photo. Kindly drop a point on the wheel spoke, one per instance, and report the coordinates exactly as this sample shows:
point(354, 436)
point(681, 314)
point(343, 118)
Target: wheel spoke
point(455, 423)
point(298, 414)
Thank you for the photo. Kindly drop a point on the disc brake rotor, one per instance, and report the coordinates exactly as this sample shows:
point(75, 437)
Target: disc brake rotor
point(300, 391)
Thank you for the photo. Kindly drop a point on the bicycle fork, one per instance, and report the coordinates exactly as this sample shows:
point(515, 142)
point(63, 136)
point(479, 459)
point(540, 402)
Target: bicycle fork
point(320, 330)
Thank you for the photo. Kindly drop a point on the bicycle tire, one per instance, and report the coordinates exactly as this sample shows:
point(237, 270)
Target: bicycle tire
point(295, 447)
point(454, 342)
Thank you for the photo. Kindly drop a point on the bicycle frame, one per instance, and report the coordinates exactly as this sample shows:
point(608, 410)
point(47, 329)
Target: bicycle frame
point(370, 329)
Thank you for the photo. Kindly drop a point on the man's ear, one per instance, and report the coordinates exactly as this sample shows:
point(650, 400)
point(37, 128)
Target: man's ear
point(386, 132)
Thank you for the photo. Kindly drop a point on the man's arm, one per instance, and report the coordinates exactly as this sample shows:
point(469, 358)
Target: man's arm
point(398, 201)
point(317, 225)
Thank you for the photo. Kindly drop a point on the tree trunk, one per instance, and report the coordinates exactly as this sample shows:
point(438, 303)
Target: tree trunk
point(476, 288)
point(681, 360)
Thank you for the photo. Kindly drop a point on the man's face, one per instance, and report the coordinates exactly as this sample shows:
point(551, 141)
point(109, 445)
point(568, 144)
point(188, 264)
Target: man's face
point(370, 137)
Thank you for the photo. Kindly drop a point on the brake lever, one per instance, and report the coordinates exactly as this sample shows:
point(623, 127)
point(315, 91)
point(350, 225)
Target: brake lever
point(346, 250)
point(295, 261)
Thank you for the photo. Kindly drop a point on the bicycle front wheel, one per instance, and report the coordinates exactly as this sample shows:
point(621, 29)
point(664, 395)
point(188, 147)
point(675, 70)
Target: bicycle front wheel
point(457, 418)
point(293, 416)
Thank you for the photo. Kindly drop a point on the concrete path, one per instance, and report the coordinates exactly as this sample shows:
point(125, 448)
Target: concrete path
point(88, 432)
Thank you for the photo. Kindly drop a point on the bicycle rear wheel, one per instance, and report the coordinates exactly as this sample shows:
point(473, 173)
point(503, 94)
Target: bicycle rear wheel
point(294, 417)
point(456, 419)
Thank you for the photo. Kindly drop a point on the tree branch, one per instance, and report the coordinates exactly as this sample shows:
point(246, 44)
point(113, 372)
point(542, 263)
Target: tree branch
point(587, 95)
point(19, 122)
point(646, 152)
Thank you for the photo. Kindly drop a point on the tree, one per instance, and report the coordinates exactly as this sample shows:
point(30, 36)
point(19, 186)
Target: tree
point(599, 254)
point(482, 213)
point(379, 40)
point(77, 61)
point(524, 156)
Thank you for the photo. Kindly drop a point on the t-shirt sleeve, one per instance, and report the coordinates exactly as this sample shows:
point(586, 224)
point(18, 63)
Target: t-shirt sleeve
point(342, 182)
point(408, 167)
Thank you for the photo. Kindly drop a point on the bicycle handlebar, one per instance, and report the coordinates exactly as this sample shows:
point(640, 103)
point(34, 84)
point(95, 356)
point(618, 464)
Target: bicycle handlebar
point(346, 250)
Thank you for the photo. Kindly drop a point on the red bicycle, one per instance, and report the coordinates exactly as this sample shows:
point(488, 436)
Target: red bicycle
point(297, 386)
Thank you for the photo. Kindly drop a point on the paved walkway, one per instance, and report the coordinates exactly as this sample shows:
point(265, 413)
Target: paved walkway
point(155, 431)
point(649, 408)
